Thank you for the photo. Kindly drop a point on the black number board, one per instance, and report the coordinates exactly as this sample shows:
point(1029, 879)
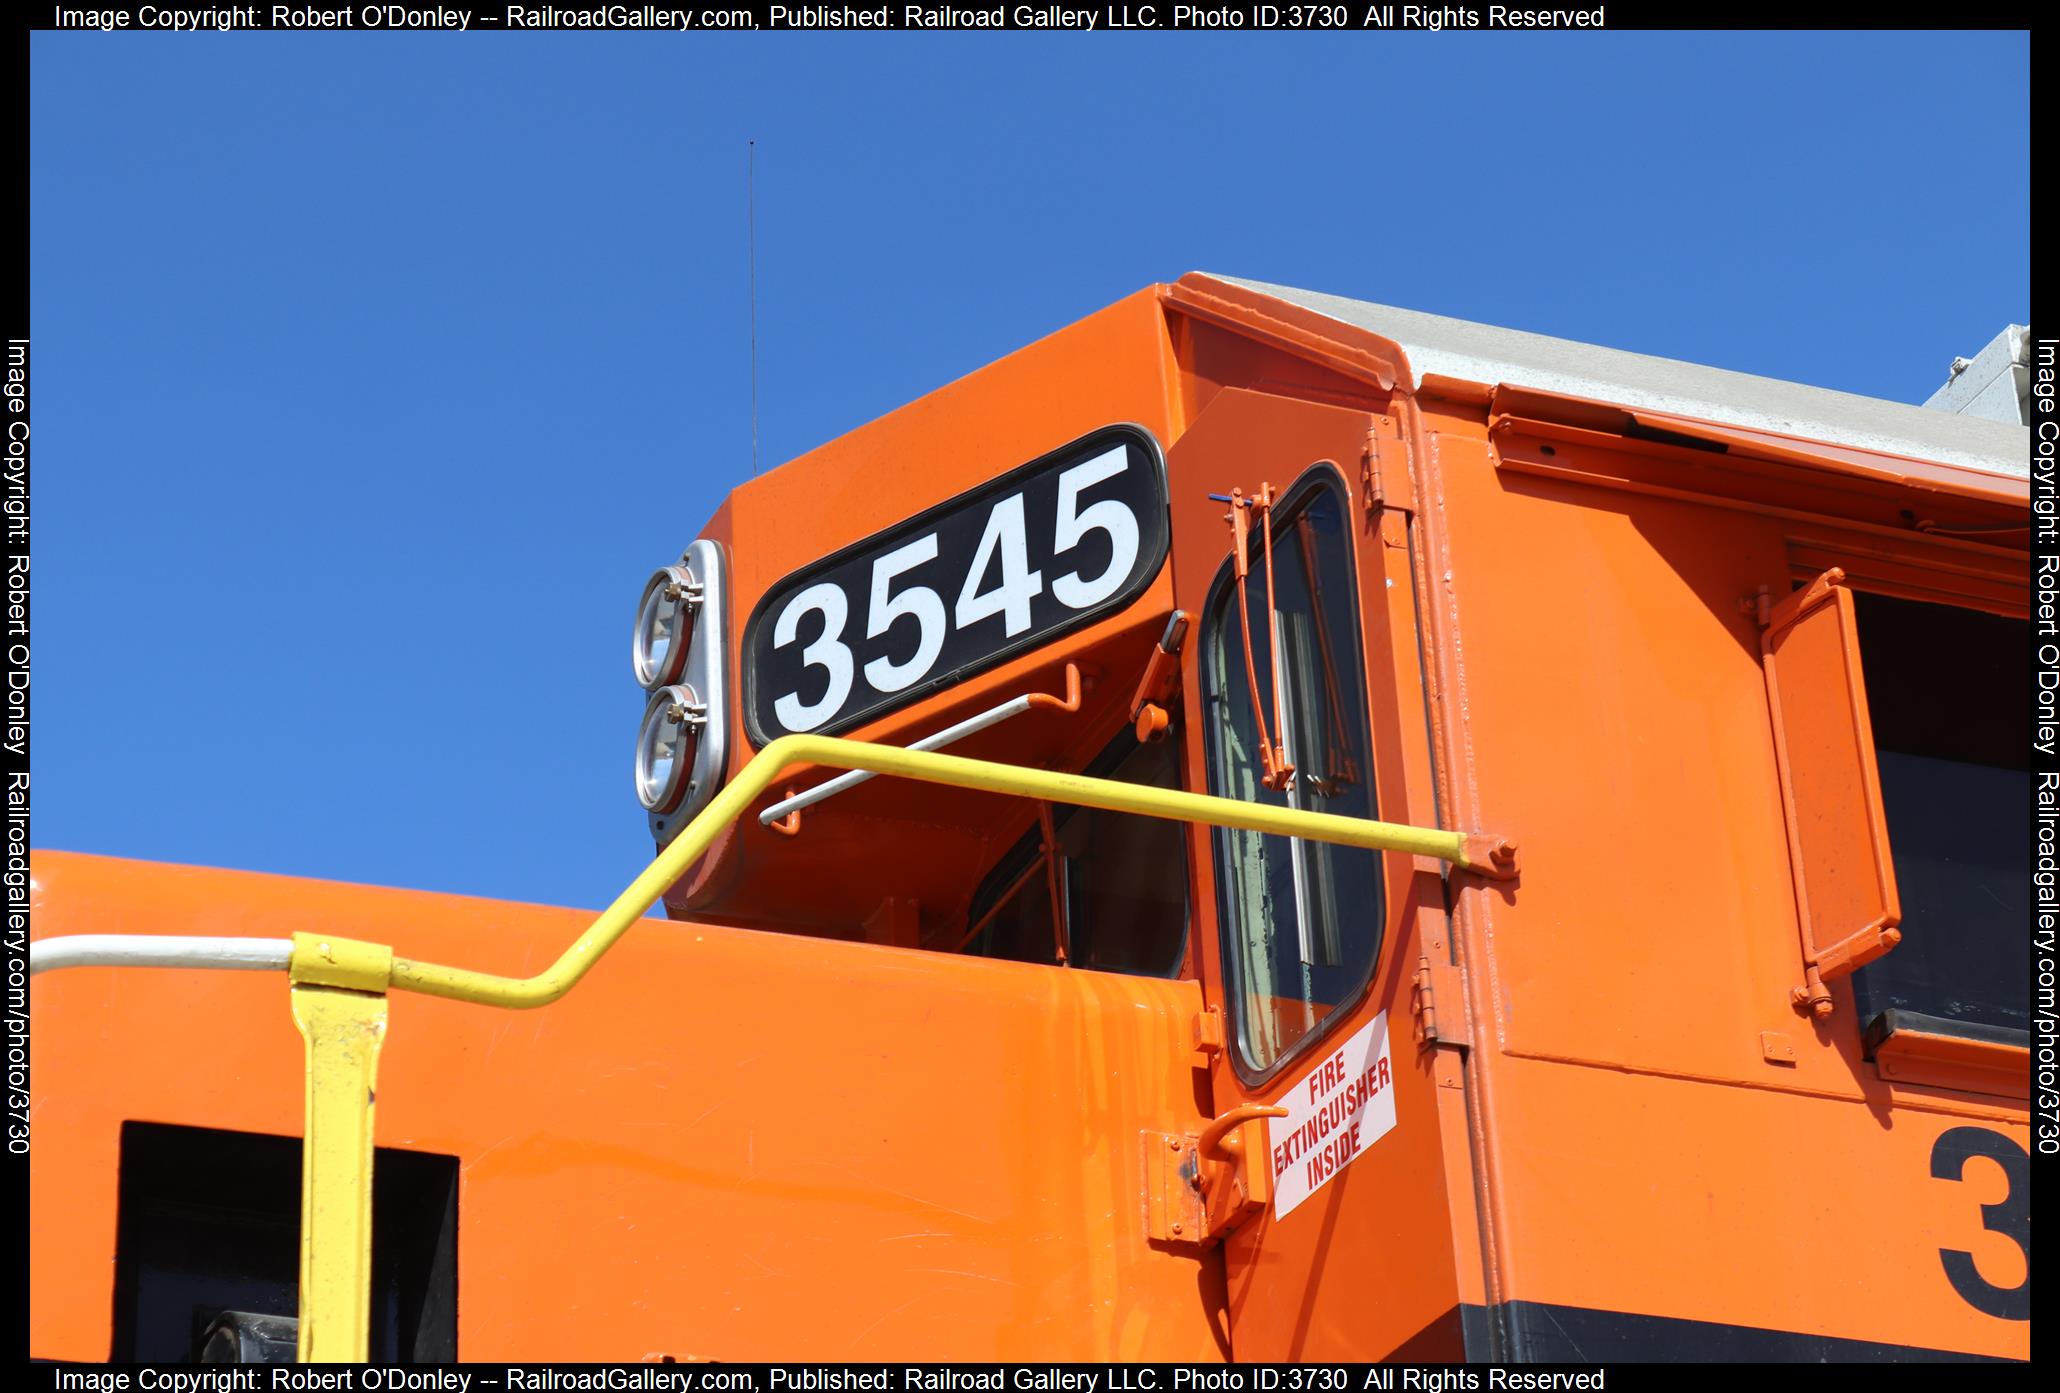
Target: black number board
point(1014, 563)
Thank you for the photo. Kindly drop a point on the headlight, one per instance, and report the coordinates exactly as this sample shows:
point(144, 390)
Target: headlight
point(681, 655)
point(665, 627)
point(667, 742)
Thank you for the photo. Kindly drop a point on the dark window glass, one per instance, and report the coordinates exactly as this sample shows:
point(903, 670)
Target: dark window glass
point(1126, 876)
point(1302, 920)
point(1945, 690)
point(1122, 877)
point(208, 1223)
point(1011, 912)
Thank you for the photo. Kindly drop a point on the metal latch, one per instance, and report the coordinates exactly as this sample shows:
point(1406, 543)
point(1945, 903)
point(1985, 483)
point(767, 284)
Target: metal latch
point(1273, 760)
point(1161, 680)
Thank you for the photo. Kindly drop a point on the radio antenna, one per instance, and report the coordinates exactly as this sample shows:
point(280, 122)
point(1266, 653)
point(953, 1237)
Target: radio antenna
point(751, 239)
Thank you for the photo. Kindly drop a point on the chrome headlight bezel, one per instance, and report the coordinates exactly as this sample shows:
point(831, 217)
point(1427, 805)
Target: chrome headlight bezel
point(668, 612)
point(696, 666)
point(664, 770)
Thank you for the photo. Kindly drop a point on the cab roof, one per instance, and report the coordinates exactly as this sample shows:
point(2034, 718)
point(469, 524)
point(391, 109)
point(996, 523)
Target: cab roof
point(1483, 353)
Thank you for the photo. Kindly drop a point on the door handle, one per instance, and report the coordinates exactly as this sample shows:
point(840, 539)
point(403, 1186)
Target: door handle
point(1223, 1139)
point(1236, 1170)
point(1200, 1187)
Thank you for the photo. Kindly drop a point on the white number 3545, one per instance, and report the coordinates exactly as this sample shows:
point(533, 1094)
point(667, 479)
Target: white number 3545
point(908, 625)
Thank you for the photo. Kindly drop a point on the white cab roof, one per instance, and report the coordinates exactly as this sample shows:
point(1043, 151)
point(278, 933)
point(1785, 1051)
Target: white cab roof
point(1482, 353)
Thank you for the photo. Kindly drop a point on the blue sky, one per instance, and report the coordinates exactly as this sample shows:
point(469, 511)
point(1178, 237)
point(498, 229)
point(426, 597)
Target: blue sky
point(375, 372)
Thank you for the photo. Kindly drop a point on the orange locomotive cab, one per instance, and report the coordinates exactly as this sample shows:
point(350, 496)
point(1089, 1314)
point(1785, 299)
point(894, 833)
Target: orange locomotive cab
point(1702, 1032)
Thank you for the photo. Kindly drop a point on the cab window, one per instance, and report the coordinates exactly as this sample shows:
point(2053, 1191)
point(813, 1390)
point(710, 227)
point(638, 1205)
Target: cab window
point(1301, 920)
point(1120, 880)
point(1954, 777)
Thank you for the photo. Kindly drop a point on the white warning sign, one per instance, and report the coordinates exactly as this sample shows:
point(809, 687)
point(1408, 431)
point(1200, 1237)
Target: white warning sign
point(1346, 1104)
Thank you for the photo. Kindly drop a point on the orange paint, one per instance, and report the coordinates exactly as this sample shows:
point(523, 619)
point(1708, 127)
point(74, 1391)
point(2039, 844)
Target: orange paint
point(801, 1098)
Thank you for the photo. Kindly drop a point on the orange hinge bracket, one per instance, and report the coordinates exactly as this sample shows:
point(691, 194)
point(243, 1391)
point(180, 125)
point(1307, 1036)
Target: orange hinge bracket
point(1438, 1002)
point(1208, 1036)
point(1384, 470)
point(1781, 613)
point(1160, 683)
point(1173, 1210)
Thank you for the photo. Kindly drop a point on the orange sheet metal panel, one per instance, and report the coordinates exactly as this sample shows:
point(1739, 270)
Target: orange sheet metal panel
point(738, 1145)
point(1664, 1134)
point(724, 1144)
point(1612, 698)
point(1761, 1208)
point(1113, 366)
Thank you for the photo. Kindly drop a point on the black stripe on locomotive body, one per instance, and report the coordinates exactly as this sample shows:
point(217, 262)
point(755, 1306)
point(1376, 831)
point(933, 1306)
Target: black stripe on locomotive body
point(1534, 1332)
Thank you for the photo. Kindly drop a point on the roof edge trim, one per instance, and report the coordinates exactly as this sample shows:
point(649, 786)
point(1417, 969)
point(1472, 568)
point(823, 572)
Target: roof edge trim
point(1436, 350)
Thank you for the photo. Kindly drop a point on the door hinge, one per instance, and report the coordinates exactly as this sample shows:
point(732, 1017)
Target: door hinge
point(1439, 1005)
point(1384, 470)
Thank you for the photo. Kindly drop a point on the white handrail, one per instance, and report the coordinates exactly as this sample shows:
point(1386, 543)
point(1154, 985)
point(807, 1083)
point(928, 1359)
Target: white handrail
point(160, 950)
point(972, 724)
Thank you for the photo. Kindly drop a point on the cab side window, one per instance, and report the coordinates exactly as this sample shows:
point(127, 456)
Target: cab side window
point(1941, 682)
point(1301, 920)
point(1120, 879)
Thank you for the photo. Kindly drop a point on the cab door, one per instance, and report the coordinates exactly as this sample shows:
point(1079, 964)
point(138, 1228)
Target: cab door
point(1310, 951)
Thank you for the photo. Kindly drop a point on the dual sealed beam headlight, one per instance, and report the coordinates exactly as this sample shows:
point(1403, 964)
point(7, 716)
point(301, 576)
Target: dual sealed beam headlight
point(667, 744)
point(680, 654)
point(665, 626)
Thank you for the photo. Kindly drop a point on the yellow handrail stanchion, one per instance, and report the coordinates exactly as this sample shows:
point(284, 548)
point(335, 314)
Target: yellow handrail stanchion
point(340, 984)
point(344, 1030)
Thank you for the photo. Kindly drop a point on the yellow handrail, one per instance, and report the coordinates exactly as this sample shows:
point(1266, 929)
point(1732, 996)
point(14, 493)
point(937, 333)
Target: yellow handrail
point(320, 961)
point(340, 984)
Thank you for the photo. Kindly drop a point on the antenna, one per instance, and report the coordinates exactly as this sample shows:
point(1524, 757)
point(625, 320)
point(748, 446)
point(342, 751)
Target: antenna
point(751, 238)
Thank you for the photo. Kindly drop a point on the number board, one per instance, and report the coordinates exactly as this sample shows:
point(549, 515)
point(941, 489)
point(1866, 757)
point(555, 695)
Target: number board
point(958, 588)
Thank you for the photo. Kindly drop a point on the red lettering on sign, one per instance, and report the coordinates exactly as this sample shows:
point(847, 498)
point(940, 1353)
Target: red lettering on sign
point(1325, 1163)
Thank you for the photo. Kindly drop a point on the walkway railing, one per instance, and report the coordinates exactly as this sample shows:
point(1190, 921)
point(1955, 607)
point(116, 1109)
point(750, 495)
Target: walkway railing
point(339, 986)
